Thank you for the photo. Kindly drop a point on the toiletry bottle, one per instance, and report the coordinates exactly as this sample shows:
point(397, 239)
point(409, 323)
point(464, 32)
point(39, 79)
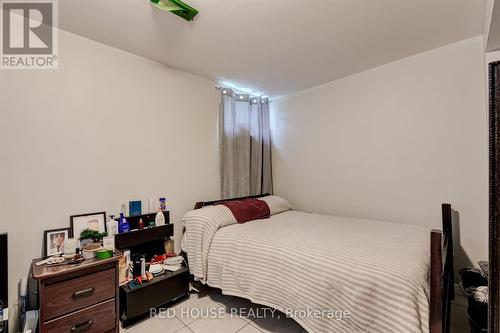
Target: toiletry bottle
point(163, 204)
point(140, 225)
point(143, 266)
point(123, 209)
point(123, 226)
point(112, 226)
point(160, 218)
point(169, 245)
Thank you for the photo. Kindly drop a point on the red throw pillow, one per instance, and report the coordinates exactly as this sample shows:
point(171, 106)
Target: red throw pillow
point(248, 209)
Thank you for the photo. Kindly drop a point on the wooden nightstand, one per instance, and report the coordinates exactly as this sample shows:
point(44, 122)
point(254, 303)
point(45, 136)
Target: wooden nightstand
point(79, 298)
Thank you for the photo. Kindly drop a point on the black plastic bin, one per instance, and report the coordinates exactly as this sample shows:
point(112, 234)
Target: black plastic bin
point(476, 311)
point(478, 315)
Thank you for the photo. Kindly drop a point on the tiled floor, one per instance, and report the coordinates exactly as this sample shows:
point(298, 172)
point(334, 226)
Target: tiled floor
point(459, 320)
point(195, 315)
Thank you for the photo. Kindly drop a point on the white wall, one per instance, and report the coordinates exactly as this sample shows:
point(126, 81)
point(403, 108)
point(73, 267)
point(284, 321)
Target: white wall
point(106, 128)
point(392, 143)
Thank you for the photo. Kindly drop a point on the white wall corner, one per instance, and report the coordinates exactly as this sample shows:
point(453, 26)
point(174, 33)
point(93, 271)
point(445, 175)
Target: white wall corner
point(488, 14)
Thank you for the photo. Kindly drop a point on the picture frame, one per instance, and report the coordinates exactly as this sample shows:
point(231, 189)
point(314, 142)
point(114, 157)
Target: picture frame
point(53, 241)
point(93, 221)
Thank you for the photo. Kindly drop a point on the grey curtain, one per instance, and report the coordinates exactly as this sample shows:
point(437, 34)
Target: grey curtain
point(245, 145)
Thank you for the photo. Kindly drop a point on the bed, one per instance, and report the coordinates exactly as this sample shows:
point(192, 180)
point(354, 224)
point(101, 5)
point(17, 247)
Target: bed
point(329, 273)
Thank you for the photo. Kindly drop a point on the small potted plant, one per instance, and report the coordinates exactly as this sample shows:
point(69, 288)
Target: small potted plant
point(90, 241)
point(89, 236)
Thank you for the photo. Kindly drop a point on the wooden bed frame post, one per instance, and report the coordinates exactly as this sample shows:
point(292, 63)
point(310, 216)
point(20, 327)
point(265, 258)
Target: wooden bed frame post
point(442, 283)
point(436, 285)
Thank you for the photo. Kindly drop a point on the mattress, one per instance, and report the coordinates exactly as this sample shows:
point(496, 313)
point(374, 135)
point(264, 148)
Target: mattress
point(330, 274)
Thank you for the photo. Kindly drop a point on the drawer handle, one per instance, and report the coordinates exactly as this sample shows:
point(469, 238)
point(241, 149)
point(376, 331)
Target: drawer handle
point(83, 293)
point(82, 327)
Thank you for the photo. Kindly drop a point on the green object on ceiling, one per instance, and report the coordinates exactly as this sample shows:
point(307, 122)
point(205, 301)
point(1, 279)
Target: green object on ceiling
point(176, 7)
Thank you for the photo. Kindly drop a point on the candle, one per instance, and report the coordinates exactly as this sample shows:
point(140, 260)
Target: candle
point(70, 246)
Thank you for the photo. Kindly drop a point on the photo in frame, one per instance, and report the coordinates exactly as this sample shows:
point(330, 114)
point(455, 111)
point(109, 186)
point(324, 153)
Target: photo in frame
point(53, 241)
point(93, 221)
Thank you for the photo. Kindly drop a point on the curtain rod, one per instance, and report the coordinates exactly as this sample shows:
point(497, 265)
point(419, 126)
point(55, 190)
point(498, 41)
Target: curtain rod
point(220, 88)
point(263, 99)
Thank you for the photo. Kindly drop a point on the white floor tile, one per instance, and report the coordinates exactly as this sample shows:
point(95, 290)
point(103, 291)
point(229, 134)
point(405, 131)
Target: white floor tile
point(276, 325)
point(163, 325)
point(183, 330)
point(226, 324)
point(459, 316)
point(195, 307)
point(460, 300)
point(249, 329)
point(458, 329)
point(217, 296)
point(247, 310)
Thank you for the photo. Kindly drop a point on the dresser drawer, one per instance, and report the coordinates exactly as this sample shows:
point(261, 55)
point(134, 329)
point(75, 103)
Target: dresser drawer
point(75, 294)
point(95, 319)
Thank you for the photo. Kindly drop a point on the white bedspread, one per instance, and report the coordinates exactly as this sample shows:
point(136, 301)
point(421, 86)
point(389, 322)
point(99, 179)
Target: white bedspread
point(377, 271)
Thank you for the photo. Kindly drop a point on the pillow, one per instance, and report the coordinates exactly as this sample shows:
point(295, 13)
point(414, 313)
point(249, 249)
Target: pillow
point(248, 209)
point(276, 204)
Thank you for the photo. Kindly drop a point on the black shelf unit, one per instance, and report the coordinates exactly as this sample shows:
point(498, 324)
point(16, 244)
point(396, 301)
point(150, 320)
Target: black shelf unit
point(133, 220)
point(135, 303)
point(148, 241)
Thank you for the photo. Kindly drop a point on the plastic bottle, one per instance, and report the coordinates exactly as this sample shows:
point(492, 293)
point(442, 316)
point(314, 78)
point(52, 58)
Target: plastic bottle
point(140, 225)
point(112, 226)
point(163, 204)
point(123, 226)
point(160, 218)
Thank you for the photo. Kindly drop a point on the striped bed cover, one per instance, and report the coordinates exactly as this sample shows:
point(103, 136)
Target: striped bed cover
point(314, 267)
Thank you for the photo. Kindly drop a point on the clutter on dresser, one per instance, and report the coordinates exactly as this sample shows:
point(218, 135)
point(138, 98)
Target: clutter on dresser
point(92, 239)
point(90, 250)
point(59, 260)
point(78, 297)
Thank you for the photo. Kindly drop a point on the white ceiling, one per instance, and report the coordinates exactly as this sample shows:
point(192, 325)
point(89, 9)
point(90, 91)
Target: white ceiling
point(276, 47)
